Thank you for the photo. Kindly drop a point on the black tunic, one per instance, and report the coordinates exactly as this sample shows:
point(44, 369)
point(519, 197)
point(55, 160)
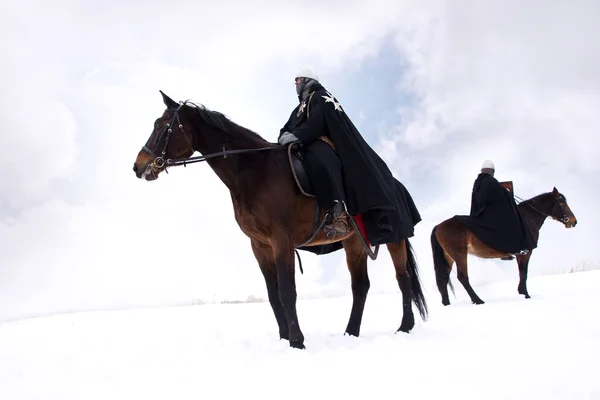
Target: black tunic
point(494, 217)
point(388, 210)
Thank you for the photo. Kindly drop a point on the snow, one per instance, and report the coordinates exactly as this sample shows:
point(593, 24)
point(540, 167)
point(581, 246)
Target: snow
point(546, 347)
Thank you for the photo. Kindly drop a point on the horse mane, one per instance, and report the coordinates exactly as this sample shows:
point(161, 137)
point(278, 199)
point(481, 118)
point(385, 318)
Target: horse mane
point(219, 121)
point(539, 197)
point(535, 199)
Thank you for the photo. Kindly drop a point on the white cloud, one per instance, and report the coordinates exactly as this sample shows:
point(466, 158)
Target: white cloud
point(81, 92)
point(39, 131)
point(508, 81)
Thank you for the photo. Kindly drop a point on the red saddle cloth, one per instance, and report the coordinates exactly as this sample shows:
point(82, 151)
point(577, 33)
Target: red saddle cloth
point(361, 226)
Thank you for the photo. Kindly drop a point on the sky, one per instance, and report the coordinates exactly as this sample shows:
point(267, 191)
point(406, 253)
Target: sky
point(435, 87)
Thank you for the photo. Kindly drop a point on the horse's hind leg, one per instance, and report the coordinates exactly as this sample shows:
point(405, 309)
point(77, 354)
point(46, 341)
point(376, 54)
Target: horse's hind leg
point(463, 277)
point(356, 258)
point(442, 261)
point(443, 281)
point(266, 262)
point(400, 259)
point(523, 262)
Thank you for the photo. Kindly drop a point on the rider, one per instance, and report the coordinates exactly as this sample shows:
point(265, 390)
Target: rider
point(350, 178)
point(323, 165)
point(494, 217)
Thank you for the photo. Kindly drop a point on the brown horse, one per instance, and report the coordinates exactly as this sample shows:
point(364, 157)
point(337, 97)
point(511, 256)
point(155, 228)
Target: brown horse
point(452, 241)
point(271, 209)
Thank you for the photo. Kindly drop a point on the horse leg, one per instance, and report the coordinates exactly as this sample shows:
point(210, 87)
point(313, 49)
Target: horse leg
point(407, 275)
point(283, 251)
point(444, 281)
point(523, 262)
point(266, 262)
point(442, 263)
point(399, 258)
point(463, 277)
point(356, 258)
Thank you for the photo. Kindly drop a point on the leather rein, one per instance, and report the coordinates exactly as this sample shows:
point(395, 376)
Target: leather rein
point(159, 161)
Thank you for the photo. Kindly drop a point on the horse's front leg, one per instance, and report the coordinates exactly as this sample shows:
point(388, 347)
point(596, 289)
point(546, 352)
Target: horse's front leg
point(283, 250)
point(266, 262)
point(523, 262)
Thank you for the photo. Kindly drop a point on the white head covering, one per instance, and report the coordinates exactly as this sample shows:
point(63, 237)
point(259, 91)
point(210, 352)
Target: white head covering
point(488, 164)
point(307, 72)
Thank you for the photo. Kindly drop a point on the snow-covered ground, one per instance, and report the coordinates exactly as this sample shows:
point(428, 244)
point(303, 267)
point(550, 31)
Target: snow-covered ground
point(547, 347)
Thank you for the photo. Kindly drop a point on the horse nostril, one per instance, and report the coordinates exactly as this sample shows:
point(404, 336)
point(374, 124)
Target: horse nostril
point(135, 167)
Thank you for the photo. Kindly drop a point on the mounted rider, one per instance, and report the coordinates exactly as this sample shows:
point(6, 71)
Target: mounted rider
point(494, 217)
point(348, 177)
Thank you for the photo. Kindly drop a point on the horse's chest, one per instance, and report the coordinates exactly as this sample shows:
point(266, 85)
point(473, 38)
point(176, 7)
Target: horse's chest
point(250, 223)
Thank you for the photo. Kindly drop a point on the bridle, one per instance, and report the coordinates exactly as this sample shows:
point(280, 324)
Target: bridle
point(159, 162)
point(560, 201)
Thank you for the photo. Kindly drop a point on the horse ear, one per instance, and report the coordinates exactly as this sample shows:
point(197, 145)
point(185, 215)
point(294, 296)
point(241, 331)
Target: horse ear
point(169, 102)
point(554, 191)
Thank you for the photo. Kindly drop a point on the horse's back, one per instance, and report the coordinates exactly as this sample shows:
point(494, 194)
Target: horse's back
point(455, 237)
point(450, 230)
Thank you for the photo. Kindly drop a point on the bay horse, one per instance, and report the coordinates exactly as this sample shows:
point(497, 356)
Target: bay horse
point(452, 241)
point(272, 210)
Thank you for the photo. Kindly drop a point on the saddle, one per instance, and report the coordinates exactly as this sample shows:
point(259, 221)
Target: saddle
point(296, 159)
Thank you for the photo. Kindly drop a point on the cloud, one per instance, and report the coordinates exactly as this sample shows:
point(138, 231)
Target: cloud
point(39, 130)
point(511, 82)
point(79, 231)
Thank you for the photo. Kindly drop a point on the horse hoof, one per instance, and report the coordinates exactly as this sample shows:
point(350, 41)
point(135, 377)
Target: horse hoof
point(355, 334)
point(407, 324)
point(524, 293)
point(478, 301)
point(404, 329)
point(297, 345)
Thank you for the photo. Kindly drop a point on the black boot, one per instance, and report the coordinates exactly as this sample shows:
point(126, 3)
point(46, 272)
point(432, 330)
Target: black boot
point(338, 222)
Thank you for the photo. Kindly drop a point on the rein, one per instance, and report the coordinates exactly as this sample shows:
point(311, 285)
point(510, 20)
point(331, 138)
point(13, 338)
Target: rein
point(564, 219)
point(224, 153)
point(159, 161)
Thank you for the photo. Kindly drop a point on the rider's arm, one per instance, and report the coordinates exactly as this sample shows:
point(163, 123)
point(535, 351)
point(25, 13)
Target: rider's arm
point(286, 127)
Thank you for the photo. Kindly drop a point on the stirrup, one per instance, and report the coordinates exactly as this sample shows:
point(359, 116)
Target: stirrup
point(512, 256)
point(338, 204)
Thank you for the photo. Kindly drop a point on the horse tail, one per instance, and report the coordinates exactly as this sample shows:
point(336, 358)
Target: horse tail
point(440, 264)
point(417, 291)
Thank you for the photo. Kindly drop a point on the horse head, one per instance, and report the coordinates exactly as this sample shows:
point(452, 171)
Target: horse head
point(171, 138)
point(561, 211)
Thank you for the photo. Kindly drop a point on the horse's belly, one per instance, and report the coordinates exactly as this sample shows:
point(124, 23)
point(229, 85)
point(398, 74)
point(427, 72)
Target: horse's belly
point(479, 249)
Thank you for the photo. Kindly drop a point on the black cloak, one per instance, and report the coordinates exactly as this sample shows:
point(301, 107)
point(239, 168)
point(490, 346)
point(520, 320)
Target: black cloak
point(388, 210)
point(495, 218)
